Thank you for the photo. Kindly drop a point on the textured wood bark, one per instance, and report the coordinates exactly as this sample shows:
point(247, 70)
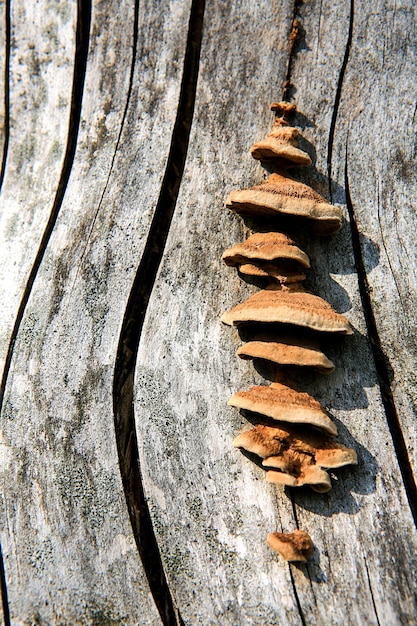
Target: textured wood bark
point(123, 500)
point(69, 551)
point(4, 95)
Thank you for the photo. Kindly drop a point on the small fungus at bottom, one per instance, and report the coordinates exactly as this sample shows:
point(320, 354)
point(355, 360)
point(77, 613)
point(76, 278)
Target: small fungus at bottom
point(295, 546)
point(276, 272)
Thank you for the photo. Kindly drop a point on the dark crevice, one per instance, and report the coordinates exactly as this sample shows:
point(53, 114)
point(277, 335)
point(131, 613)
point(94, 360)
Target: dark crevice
point(372, 593)
point(3, 587)
point(381, 362)
point(123, 384)
point(80, 64)
point(338, 97)
point(297, 524)
point(293, 39)
point(297, 599)
point(6, 127)
point(294, 510)
point(6, 132)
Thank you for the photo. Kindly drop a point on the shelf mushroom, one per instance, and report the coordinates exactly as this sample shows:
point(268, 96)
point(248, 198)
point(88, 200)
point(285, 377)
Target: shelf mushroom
point(290, 304)
point(296, 456)
point(284, 404)
point(283, 195)
point(281, 143)
point(299, 447)
point(295, 546)
point(270, 254)
point(286, 350)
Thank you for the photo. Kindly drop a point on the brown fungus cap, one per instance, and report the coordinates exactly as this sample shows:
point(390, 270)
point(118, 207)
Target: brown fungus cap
point(280, 272)
point(284, 195)
point(296, 546)
point(281, 143)
point(285, 404)
point(283, 110)
point(317, 478)
point(287, 351)
point(288, 305)
point(272, 255)
point(298, 455)
point(265, 247)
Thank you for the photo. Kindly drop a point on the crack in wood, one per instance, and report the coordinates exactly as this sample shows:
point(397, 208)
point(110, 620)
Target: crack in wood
point(123, 383)
point(82, 39)
point(80, 63)
point(297, 599)
point(119, 136)
point(372, 593)
point(387, 254)
point(6, 123)
point(382, 365)
point(338, 97)
point(6, 135)
point(293, 40)
point(4, 595)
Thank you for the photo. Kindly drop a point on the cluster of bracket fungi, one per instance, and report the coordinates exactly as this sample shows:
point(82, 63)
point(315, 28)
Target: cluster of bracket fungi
point(293, 435)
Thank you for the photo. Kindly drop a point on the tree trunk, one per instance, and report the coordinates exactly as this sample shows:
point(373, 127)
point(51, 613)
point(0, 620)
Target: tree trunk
point(125, 127)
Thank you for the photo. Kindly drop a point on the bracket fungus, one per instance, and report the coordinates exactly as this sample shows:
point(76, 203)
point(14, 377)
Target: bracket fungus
point(284, 195)
point(294, 434)
point(298, 456)
point(287, 350)
point(288, 305)
point(277, 272)
point(284, 404)
point(281, 143)
point(272, 254)
point(296, 546)
point(265, 247)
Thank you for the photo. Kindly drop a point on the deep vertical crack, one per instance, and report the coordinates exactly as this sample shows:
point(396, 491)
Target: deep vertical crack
point(6, 126)
point(293, 40)
point(297, 599)
point(80, 63)
point(381, 362)
point(294, 510)
point(3, 587)
point(123, 384)
point(338, 97)
point(6, 131)
point(372, 593)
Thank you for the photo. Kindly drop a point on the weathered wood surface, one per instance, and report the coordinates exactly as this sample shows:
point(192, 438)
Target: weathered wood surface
point(70, 552)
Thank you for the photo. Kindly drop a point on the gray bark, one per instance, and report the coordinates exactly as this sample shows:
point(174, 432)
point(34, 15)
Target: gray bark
point(115, 357)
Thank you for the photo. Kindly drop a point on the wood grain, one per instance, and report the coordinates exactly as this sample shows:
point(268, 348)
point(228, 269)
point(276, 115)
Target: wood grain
point(378, 111)
point(214, 529)
point(69, 543)
point(4, 84)
point(75, 227)
point(41, 68)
